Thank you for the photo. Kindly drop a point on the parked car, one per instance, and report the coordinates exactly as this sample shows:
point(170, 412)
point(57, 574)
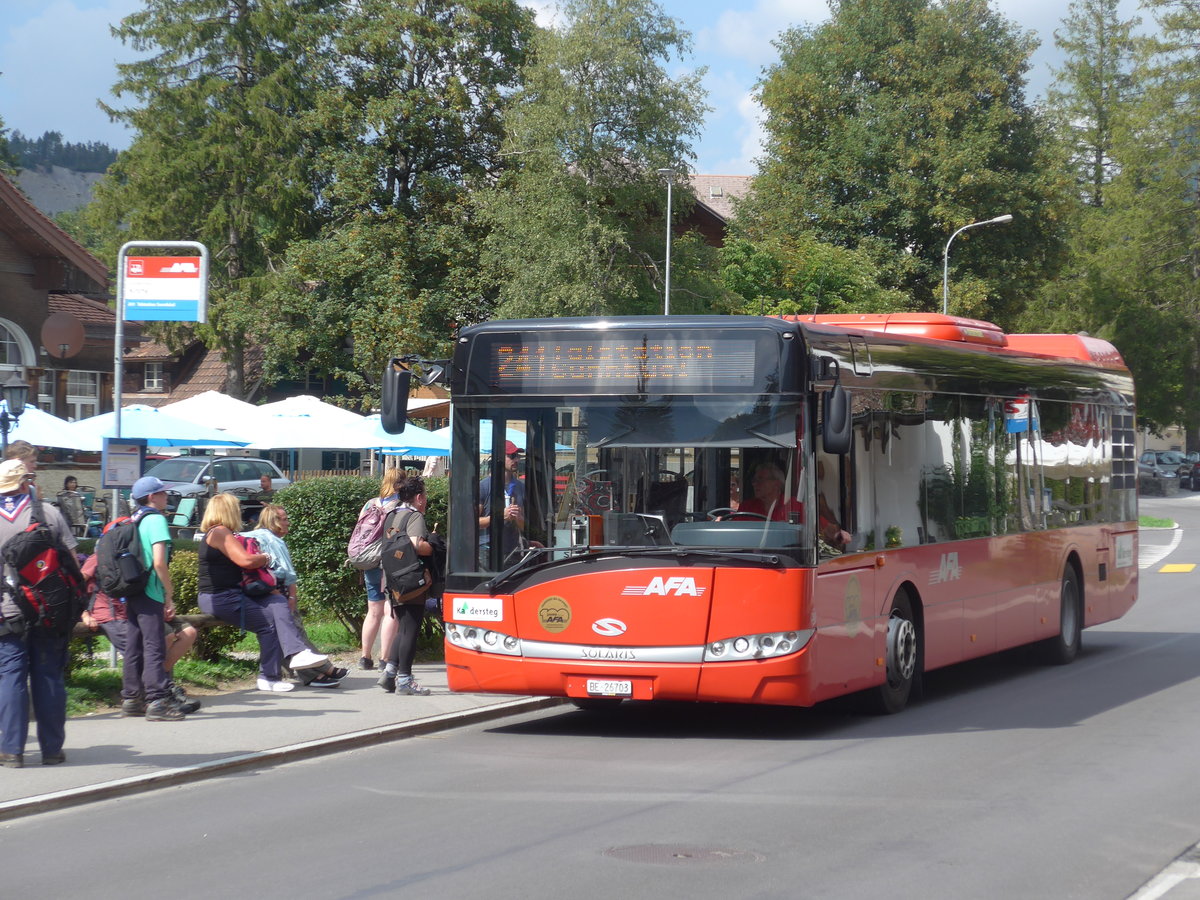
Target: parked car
point(1192, 462)
point(188, 476)
point(1160, 471)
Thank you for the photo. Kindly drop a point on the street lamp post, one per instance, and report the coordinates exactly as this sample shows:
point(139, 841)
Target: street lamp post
point(16, 394)
point(670, 173)
point(999, 220)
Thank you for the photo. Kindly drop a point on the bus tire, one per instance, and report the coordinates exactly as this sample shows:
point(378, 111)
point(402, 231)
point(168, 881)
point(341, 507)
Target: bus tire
point(596, 704)
point(902, 658)
point(1064, 647)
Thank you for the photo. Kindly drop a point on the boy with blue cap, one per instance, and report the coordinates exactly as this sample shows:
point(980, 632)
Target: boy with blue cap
point(145, 687)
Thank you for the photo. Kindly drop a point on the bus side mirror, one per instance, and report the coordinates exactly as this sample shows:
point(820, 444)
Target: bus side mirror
point(836, 424)
point(394, 405)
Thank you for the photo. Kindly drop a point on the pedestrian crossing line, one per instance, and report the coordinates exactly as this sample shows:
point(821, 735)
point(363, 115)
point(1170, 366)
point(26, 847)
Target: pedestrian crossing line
point(1177, 567)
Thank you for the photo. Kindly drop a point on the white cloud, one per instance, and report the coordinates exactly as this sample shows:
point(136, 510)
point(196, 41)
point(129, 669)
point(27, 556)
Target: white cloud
point(747, 34)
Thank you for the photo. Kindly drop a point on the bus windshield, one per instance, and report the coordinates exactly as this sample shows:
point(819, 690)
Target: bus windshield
point(593, 474)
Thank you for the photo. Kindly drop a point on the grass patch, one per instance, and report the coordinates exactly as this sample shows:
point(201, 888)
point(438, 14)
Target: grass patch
point(1152, 522)
point(93, 686)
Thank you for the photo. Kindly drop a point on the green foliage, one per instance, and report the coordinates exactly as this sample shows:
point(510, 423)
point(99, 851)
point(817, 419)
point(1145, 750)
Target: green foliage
point(410, 115)
point(800, 275)
point(895, 123)
point(323, 512)
point(1093, 89)
point(212, 643)
point(576, 223)
point(219, 154)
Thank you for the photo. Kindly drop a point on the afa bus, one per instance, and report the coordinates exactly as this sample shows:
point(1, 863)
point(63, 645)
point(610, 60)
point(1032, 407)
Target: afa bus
point(776, 510)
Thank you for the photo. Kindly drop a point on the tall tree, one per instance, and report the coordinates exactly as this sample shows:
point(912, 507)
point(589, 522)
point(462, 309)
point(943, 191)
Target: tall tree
point(895, 123)
point(219, 155)
point(1093, 87)
point(412, 117)
point(576, 221)
point(1135, 272)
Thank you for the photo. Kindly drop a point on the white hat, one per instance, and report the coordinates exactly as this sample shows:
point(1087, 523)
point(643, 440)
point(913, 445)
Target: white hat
point(12, 475)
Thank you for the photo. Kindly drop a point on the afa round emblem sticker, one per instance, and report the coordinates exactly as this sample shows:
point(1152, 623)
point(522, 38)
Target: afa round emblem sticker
point(555, 614)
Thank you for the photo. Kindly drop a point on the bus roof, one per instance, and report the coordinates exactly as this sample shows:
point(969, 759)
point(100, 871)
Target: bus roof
point(936, 326)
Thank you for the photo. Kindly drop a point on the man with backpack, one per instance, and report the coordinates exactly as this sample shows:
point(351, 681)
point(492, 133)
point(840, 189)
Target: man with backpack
point(145, 686)
point(33, 654)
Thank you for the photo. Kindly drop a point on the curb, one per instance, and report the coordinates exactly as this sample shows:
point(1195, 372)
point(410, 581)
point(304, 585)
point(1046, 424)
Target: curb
point(25, 806)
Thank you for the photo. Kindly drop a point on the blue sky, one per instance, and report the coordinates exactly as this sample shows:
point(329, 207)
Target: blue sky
point(57, 58)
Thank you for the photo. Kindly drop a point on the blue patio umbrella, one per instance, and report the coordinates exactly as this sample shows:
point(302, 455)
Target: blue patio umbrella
point(413, 441)
point(157, 428)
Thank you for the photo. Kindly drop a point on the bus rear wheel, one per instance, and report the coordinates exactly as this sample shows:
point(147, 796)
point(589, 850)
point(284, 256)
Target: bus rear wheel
point(902, 656)
point(1064, 647)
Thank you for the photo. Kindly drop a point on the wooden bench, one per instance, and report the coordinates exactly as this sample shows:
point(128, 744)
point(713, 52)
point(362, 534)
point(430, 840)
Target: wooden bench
point(200, 620)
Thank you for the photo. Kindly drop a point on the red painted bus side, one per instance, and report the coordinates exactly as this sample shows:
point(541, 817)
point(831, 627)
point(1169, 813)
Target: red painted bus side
point(1015, 583)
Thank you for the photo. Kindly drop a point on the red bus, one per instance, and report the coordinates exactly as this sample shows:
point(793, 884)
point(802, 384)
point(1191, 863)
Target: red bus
point(778, 510)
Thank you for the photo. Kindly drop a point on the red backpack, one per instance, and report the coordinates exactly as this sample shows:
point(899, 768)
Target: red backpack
point(256, 582)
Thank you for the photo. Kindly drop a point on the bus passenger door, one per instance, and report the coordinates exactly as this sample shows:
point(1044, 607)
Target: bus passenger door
point(845, 614)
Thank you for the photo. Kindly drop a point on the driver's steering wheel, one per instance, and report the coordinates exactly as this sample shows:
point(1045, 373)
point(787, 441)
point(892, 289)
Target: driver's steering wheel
point(722, 511)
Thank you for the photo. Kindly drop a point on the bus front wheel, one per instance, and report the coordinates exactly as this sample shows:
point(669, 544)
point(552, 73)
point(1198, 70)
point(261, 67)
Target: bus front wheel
point(1064, 647)
point(902, 656)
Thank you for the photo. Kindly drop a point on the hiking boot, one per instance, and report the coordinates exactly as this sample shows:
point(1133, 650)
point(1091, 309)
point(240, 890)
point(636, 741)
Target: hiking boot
point(187, 706)
point(12, 760)
point(180, 695)
point(366, 663)
point(164, 710)
point(53, 759)
point(135, 707)
point(387, 682)
point(413, 689)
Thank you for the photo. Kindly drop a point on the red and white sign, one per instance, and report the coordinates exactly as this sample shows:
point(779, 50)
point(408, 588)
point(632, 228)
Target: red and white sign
point(163, 288)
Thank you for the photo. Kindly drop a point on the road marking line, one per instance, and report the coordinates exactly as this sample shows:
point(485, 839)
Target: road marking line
point(1148, 558)
point(1175, 873)
point(1178, 567)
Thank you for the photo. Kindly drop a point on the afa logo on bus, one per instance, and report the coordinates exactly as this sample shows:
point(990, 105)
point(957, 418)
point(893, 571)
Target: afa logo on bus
point(661, 587)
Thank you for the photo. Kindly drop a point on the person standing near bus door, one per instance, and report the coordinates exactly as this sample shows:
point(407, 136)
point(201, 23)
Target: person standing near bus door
point(514, 507)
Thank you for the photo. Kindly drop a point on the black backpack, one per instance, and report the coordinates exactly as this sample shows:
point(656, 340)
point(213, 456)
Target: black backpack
point(404, 571)
point(49, 588)
point(120, 571)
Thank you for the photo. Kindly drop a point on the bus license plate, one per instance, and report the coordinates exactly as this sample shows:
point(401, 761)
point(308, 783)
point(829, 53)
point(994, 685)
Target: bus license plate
point(606, 687)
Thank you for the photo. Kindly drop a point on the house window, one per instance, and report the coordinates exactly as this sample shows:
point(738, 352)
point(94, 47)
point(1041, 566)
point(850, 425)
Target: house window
point(340, 459)
point(154, 377)
point(83, 395)
point(10, 350)
point(45, 399)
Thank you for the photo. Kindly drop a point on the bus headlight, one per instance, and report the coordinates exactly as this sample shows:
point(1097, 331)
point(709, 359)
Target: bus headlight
point(483, 640)
point(757, 646)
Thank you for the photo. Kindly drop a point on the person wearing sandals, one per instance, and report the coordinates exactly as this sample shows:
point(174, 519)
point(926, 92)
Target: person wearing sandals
point(273, 527)
point(222, 559)
point(373, 578)
point(397, 677)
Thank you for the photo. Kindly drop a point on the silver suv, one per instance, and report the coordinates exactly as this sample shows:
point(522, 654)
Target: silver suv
point(189, 475)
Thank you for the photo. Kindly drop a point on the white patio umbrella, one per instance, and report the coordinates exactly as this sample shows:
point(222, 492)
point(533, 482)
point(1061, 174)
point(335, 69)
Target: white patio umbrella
point(306, 404)
point(215, 409)
point(44, 430)
point(157, 428)
point(304, 431)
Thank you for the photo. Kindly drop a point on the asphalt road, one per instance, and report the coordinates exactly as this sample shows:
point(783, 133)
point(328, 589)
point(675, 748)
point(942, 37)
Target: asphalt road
point(1010, 779)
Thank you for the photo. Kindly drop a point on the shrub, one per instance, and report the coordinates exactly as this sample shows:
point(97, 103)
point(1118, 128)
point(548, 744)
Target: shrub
point(323, 512)
point(212, 643)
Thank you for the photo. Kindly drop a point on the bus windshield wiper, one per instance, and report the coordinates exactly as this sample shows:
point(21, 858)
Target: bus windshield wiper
point(525, 563)
point(771, 559)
